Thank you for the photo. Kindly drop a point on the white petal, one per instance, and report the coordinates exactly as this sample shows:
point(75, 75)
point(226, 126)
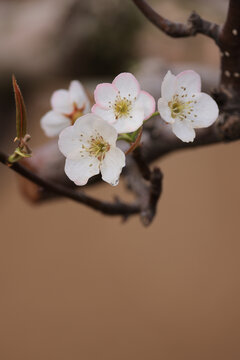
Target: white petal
point(165, 111)
point(78, 94)
point(105, 114)
point(91, 124)
point(53, 123)
point(61, 102)
point(183, 130)
point(87, 108)
point(112, 165)
point(105, 94)
point(188, 83)
point(70, 143)
point(127, 84)
point(130, 124)
point(169, 84)
point(148, 103)
point(206, 111)
point(81, 170)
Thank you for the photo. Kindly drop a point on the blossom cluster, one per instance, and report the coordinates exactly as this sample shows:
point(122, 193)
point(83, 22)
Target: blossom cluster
point(88, 136)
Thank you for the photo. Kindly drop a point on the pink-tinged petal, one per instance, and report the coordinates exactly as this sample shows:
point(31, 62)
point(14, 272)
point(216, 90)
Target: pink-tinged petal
point(188, 83)
point(205, 111)
point(78, 94)
point(61, 102)
point(168, 88)
point(127, 85)
point(105, 95)
point(165, 111)
point(148, 103)
point(53, 123)
point(112, 165)
point(81, 170)
point(183, 130)
point(105, 114)
point(93, 125)
point(130, 124)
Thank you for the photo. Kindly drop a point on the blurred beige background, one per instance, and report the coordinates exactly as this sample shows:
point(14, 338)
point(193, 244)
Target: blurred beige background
point(77, 285)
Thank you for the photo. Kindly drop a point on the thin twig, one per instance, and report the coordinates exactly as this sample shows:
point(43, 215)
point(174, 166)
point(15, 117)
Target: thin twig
point(117, 208)
point(195, 24)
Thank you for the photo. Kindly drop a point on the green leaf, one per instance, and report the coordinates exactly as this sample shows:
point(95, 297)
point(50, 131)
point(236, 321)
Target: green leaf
point(21, 119)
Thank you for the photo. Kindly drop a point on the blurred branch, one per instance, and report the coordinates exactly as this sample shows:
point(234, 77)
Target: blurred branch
point(195, 24)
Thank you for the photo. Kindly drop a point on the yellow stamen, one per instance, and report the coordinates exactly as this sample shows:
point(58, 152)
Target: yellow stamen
point(98, 147)
point(122, 107)
point(180, 108)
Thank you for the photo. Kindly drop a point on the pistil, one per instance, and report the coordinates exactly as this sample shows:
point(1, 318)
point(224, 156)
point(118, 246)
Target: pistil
point(122, 107)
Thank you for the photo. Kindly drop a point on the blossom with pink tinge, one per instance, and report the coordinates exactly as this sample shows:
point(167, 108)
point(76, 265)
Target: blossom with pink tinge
point(123, 104)
point(184, 106)
point(67, 107)
point(90, 147)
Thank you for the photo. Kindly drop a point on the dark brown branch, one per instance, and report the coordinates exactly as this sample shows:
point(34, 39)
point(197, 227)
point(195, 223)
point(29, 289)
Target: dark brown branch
point(230, 48)
point(141, 163)
point(146, 184)
point(160, 140)
point(195, 24)
point(104, 207)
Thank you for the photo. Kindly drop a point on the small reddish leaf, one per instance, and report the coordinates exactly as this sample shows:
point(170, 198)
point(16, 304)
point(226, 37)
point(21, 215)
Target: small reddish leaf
point(21, 119)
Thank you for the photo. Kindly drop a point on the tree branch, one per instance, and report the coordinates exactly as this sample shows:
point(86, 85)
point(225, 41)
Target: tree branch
point(117, 208)
point(230, 61)
point(195, 24)
point(146, 184)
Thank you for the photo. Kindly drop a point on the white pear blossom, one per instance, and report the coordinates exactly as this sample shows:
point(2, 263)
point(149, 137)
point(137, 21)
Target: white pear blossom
point(67, 106)
point(184, 106)
point(123, 104)
point(90, 147)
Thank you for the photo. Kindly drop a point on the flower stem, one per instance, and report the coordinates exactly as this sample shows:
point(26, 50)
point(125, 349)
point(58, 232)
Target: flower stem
point(125, 137)
point(156, 113)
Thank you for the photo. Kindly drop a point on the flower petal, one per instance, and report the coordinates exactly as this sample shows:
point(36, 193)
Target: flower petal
point(205, 111)
point(78, 94)
point(71, 143)
point(130, 124)
point(92, 125)
point(188, 83)
point(183, 130)
point(127, 84)
point(80, 171)
point(112, 165)
point(105, 114)
point(53, 123)
point(105, 94)
point(148, 103)
point(61, 102)
point(165, 111)
point(168, 87)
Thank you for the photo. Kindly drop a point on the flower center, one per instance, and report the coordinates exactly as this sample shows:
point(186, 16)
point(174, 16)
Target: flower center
point(98, 147)
point(180, 109)
point(77, 112)
point(122, 107)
